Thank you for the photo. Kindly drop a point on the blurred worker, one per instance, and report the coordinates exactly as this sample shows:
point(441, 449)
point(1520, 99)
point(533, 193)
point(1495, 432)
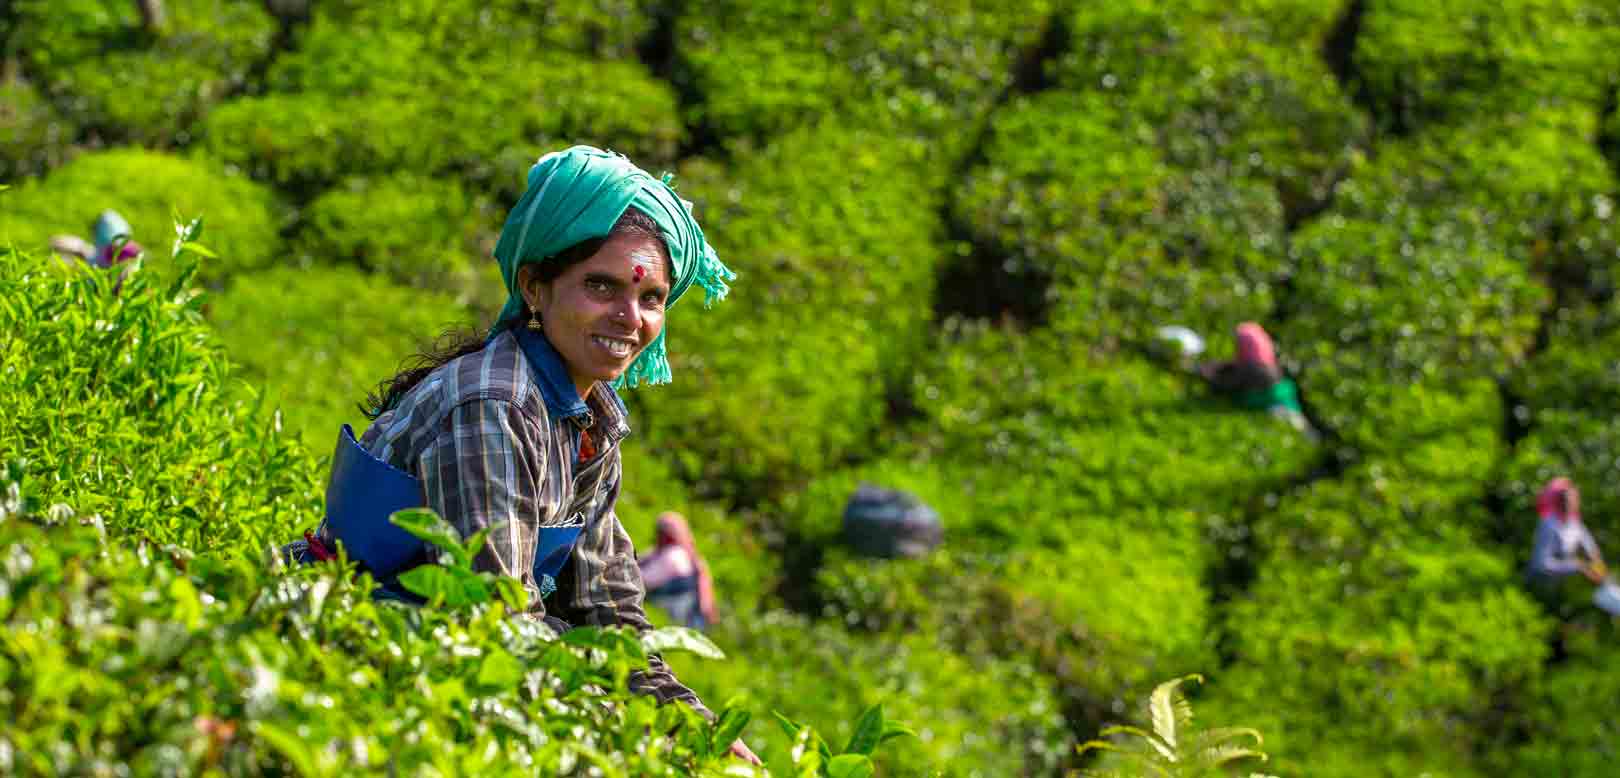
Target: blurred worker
point(1563, 546)
point(1254, 379)
point(113, 243)
point(675, 576)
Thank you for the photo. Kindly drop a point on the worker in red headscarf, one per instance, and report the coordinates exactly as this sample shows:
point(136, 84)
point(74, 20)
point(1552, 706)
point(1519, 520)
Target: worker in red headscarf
point(1563, 547)
point(1254, 379)
point(676, 577)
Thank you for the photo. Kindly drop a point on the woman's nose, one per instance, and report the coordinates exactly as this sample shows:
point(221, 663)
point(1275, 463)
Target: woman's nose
point(627, 310)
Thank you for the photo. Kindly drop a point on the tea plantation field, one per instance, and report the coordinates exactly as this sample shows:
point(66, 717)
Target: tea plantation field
point(957, 226)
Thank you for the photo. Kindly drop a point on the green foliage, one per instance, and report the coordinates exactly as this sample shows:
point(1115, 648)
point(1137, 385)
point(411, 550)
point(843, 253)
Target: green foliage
point(404, 103)
point(764, 68)
point(1073, 189)
point(745, 572)
point(863, 245)
point(509, 29)
point(982, 717)
point(1246, 91)
point(91, 376)
point(1391, 301)
point(33, 136)
point(1090, 438)
point(1428, 61)
point(148, 188)
point(333, 334)
point(855, 761)
point(244, 672)
point(1532, 183)
point(104, 71)
point(420, 231)
point(1576, 371)
point(1089, 615)
point(1572, 722)
point(1564, 397)
point(1175, 747)
point(1426, 634)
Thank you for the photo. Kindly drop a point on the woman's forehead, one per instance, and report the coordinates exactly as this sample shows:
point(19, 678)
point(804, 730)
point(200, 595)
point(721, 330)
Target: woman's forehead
point(639, 255)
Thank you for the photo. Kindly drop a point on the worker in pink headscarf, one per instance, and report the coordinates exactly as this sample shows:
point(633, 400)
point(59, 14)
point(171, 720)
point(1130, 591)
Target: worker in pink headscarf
point(675, 576)
point(1563, 547)
point(112, 244)
point(1254, 379)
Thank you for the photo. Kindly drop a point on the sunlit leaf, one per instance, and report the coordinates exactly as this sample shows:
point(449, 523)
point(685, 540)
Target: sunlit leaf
point(430, 528)
point(850, 766)
point(680, 639)
point(868, 732)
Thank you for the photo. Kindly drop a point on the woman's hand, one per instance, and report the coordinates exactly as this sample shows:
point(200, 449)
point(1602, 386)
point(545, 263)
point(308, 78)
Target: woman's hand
point(1595, 572)
point(740, 750)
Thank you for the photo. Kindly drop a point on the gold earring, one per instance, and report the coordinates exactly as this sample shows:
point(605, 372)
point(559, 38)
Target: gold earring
point(534, 321)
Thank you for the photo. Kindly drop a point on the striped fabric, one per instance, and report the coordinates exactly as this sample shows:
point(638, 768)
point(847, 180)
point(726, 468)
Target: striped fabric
point(497, 444)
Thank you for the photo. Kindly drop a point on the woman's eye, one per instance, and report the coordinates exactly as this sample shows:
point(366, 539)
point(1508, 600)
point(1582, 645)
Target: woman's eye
point(599, 287)
point(652, 300)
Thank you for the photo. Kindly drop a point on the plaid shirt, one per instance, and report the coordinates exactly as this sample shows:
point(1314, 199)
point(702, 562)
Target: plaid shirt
point(496, 440)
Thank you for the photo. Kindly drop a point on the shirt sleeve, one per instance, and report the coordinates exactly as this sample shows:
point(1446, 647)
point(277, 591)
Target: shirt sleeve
point(1589, 545)
point(483, 470)
point(601, 586)
point(1242, 376)
point(1547, 558)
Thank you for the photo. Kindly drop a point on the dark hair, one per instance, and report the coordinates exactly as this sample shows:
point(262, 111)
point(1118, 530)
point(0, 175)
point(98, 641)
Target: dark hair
point(459, 342)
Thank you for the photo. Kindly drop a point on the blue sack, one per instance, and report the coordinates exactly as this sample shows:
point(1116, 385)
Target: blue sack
point(362, 492)
point(556, 544)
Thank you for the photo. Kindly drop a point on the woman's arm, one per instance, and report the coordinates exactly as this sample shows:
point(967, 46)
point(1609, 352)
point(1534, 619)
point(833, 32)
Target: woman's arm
point(483, 469)
point(601, 586)
point(1546, 559)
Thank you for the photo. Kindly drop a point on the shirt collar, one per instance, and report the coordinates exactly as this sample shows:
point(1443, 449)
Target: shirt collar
point(557, 388)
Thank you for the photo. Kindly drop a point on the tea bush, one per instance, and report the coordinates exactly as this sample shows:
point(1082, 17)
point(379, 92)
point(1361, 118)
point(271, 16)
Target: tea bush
point(1087, 613)
point(243, 672)
point(936, 67)
point(973, 718)
point(804, 244)
point(1422, 63)
point(1534, 181)
point(1385, 629)
point(405, 103)
point(512, 29)
point(33, 136)
point(419, 231)
point(1072, 188)
point(746, 573)
point(125, 83)
point(92, 376)
point(1573, 736)
point(1075, 437)
point(1246, 91)
point(1563, 397)
point(148, 188)
point(333, 336)
point(1395, 302)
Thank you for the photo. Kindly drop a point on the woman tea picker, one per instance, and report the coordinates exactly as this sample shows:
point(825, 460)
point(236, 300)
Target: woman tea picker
point(520, 431)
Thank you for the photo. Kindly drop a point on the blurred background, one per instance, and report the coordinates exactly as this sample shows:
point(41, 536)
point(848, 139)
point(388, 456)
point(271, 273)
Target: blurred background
point(959, 228)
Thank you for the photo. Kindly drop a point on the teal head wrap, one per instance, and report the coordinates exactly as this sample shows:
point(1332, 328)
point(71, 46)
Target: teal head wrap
point(579, 194)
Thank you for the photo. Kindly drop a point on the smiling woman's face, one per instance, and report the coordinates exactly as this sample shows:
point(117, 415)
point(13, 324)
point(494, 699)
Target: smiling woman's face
point(600, 313)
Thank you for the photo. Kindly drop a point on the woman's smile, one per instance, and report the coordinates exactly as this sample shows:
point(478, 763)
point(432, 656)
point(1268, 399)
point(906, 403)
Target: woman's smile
point(618, 347)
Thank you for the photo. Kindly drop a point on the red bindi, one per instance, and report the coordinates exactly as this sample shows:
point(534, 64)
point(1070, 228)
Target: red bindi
point(639, 273)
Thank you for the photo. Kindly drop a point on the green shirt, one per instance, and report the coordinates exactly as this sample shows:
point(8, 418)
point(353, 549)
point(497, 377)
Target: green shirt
point(1282, 393)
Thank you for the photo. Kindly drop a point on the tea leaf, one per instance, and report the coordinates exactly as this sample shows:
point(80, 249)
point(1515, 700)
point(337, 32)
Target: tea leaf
point(680, 639)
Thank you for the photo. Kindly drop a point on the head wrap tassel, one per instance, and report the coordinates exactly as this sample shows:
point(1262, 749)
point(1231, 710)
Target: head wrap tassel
point(651, 368)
